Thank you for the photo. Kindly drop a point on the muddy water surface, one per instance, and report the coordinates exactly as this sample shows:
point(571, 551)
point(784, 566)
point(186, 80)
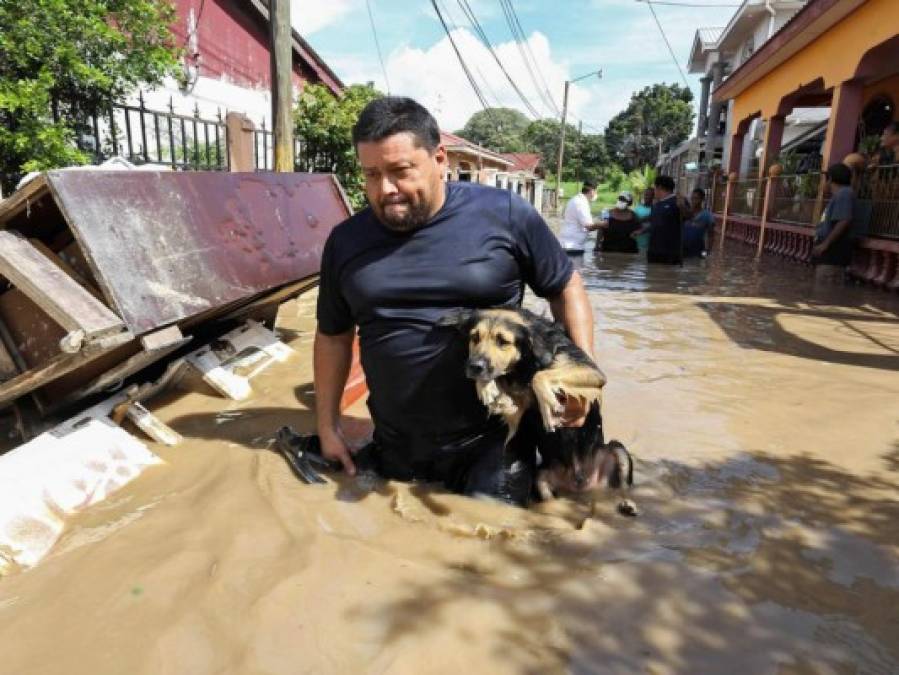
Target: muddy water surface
point(764, 415)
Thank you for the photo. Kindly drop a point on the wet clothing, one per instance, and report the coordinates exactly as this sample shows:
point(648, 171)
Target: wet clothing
point(842, 206)
point(642, 212)
point(695, 231)
point(666, 232)
point(617, 236)
point(478, 251)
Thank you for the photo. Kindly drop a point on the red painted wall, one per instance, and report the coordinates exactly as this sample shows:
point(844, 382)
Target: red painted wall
point(233, 42)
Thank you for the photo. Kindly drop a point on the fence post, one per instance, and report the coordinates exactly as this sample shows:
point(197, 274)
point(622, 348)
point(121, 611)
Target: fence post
point(241, 138)
point(764, 225)
point(731, 179)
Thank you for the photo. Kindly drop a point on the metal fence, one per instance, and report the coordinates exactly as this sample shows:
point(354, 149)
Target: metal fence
point(746, 198)
point(306, 158)
point(877, 189)
point(793, 199)
point(145, 136)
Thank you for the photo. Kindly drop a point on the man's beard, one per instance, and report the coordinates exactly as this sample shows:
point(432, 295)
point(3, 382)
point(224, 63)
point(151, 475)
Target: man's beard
point(414, 217)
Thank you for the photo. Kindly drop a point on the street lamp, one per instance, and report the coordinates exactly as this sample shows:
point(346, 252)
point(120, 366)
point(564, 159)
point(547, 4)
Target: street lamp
point(598, 74)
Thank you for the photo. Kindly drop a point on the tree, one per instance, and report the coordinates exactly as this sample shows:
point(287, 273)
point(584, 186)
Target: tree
point(542, 136)
point(324, 126)
point(662, 112)
point(500, 129)
point(590, 160)
point(72, 57)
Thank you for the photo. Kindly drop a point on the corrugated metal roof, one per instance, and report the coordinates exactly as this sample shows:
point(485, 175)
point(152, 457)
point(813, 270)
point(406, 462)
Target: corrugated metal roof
point(709, 36)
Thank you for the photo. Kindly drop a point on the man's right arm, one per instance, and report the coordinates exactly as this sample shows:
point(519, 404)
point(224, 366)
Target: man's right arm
point(332, 357)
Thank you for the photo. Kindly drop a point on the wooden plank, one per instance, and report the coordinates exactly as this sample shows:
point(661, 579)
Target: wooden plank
point(33, 379)
point(70, 305)
point(20, 199)
point(8, 368)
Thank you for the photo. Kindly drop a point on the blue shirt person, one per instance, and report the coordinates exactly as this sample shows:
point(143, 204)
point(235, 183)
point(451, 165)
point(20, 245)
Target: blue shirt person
point(698, 228)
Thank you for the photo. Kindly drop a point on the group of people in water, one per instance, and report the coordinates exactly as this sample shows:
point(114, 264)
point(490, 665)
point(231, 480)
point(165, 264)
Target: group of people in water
point(664, 225)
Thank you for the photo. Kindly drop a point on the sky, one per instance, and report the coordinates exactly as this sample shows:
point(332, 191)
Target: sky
point(568, 39)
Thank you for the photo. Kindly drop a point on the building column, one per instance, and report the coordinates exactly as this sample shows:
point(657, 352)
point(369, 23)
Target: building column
point(702, 125)
point(845, 109)
point(735, 154)
point(774, 133)
point(714, 112)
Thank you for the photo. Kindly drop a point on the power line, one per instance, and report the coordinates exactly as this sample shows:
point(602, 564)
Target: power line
point(686, 4)
point(471, 81)
point(482, 35)
point(527, 46)
point(667, 44)
point(374, 33)
point(549, 104)
point(484, 81)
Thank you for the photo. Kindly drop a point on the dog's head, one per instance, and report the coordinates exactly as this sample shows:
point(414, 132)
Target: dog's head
point(498, 341)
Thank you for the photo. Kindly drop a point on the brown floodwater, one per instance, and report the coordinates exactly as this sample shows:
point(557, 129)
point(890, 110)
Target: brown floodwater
point(762, 410)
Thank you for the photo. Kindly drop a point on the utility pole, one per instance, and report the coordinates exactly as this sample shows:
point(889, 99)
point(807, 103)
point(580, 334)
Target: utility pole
point(561, 147)
point(282, 83)
point(580, 147)
point(598, 73)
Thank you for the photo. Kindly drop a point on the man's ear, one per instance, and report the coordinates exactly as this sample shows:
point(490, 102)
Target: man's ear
point(461, 318)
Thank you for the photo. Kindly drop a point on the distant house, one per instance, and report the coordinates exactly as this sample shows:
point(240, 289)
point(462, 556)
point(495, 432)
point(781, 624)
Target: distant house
point(526, 176)
point(227, 62)
point(517, 172)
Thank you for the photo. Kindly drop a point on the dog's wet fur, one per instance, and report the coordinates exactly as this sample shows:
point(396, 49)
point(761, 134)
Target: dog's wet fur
point(522, 365)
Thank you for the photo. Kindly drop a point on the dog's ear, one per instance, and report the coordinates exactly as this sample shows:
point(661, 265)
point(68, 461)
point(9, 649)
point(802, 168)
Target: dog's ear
point(541, 346)
point(461, 318)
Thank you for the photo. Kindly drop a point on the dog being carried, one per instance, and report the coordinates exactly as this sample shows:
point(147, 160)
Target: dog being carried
point(522, 365)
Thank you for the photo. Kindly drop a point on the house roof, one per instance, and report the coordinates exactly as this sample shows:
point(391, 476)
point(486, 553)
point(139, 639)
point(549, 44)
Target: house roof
point(524, 161)
point(459, 144)
point(705, 40)
point(306, 53)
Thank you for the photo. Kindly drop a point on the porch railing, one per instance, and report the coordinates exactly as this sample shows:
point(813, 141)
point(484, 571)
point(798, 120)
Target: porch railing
point(793, 199)
point(798, 199)
point(746, 198)
point(877, 189)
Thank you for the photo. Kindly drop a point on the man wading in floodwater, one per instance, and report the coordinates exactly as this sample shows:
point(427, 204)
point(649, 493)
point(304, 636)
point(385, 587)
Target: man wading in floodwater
point(422, 248)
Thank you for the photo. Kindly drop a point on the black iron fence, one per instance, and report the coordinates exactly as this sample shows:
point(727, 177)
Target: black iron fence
point(305, 157)
point(146, 136)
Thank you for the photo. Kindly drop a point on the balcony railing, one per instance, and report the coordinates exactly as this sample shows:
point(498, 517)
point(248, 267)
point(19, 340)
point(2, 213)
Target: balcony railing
point(877, 189)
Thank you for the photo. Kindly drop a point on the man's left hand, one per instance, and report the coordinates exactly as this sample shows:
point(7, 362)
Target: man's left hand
point(818, 250)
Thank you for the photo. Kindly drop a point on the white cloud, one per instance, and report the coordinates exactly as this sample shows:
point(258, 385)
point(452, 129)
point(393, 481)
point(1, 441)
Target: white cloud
point(434, 77)
point(308, 17)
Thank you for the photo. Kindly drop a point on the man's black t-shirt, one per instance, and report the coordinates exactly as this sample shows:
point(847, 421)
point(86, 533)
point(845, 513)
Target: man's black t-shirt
point(478, 251)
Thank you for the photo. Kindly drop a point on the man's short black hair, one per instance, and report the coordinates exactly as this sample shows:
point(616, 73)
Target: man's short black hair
point(700, 192)
point(587, 186)
point(391, 115)
point(664, 182)
point(839, 174)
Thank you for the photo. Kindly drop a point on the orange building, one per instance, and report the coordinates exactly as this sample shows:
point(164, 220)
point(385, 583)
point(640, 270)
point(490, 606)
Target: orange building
point(841, 55)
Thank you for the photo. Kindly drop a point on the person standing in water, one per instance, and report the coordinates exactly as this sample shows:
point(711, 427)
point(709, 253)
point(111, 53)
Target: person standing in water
point(834, 241)
point(618, 229)
point(421, 249)
point(698, 228)
point(665, 227)
point(578, 221)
